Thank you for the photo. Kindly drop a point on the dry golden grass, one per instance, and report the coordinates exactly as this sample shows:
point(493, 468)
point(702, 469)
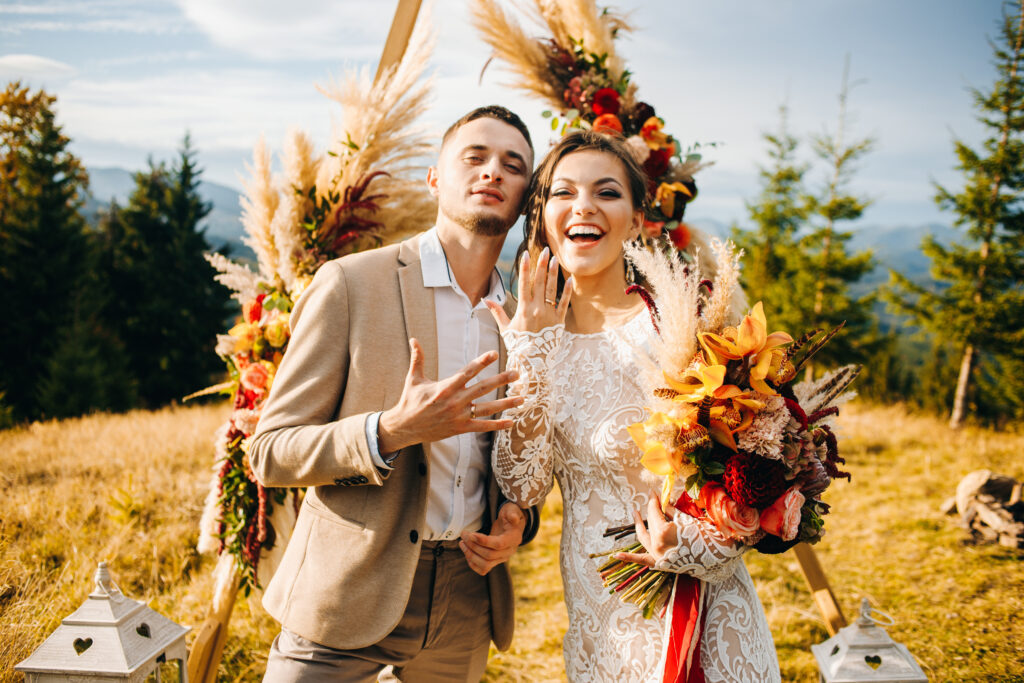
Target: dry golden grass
point(129, 489)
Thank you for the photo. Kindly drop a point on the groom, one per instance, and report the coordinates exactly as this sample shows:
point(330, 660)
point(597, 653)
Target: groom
point(383, 407)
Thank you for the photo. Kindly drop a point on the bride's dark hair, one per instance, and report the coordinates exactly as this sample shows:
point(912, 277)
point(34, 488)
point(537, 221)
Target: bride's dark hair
point(534, 238)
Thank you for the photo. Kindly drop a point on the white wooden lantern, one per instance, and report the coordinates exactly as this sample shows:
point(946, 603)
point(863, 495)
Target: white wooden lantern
point(109, 638)
point(863, 651)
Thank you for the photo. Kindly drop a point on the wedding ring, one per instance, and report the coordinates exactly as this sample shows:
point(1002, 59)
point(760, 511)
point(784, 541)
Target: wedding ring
point(472, 411)
point(549, 301)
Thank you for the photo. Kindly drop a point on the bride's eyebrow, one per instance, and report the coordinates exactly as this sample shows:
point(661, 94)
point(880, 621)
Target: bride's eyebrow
point(602, 181)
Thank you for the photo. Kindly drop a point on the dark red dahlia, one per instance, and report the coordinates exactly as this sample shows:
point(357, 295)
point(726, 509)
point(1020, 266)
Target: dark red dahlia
point(606, 101)
point(753, 480)
point(657, 162)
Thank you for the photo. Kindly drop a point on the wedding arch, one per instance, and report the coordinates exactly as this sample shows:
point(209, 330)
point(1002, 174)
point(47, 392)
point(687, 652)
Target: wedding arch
point(365, 191)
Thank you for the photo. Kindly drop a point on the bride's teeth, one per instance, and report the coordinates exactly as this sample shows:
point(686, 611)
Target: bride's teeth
point(583, 231)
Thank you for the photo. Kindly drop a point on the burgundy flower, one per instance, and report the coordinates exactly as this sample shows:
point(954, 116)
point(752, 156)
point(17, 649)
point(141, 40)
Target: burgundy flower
point(657, 162)
point(636, 118)
point(606, 101)
point(753, 480)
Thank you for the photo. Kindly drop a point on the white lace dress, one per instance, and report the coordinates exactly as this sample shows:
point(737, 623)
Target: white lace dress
point(582, 392)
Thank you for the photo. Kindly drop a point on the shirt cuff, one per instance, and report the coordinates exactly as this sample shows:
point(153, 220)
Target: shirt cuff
point(372, 421)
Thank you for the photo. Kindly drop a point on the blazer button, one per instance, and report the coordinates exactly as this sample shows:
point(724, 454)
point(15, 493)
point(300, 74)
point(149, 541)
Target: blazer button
point(423, 469)
point(413, 536)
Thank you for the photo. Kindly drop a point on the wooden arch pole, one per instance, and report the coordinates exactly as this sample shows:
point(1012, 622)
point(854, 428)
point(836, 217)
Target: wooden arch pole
point(820, 589)
point(208, 647)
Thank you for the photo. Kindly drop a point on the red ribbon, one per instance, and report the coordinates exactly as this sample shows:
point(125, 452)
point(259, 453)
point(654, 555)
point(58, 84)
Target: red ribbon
point(685, 621)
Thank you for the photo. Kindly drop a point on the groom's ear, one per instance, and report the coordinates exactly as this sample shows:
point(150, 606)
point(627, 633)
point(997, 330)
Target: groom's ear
point(432, 181)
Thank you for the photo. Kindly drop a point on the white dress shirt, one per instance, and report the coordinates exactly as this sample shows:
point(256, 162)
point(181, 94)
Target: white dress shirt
point(456, 499)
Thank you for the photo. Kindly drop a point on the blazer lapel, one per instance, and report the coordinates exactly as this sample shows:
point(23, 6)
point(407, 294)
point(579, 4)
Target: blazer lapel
point(418, 305)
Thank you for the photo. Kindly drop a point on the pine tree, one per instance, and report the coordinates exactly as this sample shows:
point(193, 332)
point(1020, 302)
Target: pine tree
point(167, 309)
point(824, 249)
point(43, 242)
point(979, 302)
point(779, 213)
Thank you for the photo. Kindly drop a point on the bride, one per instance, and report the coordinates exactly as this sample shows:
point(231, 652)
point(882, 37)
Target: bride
point(573, 340)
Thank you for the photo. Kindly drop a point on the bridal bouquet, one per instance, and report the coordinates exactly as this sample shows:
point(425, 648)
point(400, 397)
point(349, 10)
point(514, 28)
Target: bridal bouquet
point(735, 439)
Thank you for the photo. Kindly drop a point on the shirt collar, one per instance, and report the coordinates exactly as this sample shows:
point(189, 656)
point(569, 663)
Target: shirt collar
point(437, 273)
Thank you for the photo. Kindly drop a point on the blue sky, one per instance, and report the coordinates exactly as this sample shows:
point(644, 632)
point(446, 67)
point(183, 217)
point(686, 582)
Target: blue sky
point(132, 75)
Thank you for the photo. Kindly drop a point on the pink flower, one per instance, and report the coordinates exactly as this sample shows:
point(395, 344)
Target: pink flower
point(732, 519)
point(255, 376)
point(782, 518)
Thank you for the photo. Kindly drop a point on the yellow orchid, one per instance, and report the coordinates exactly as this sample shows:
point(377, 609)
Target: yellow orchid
point(664, 453)
point(750, 340)
point(698, 382)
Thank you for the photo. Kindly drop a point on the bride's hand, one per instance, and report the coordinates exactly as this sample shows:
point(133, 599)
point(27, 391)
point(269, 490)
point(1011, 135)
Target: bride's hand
point(538, 291)
point(658, 537)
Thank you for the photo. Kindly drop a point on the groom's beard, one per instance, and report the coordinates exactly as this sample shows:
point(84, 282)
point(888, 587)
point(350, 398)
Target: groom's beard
point(486, 224)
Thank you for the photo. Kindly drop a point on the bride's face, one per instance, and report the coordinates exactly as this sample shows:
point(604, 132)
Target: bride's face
point(589, 214)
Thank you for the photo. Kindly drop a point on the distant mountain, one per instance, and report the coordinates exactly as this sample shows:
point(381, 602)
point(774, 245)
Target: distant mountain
point(895, 247)
point(223, 224)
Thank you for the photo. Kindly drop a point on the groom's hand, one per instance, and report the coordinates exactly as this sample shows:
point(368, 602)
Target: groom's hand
point(432, 411)
point(485, 552)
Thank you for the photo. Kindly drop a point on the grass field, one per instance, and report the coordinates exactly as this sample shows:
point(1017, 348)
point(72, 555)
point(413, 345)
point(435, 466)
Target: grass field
point(129, 489)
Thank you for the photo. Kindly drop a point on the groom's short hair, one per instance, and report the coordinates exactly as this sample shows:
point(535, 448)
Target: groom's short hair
point(492, 111)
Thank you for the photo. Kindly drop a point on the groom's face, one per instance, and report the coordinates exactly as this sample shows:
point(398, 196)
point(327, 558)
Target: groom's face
point(481, 177)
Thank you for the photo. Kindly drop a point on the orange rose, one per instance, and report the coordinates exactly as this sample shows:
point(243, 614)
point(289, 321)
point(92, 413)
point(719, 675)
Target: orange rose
point(733, 519)
point(608, 124)
point(782, 518)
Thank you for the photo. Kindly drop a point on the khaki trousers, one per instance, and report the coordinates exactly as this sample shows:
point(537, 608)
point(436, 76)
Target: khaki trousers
point(443, 636)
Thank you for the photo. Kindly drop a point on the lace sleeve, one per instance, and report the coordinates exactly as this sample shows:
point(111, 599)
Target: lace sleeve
point(523, 455)
point(703, 551)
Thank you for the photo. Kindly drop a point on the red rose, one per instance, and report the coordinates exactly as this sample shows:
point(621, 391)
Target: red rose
point(680, 236)
point(782, 518)
point(657, 162)
point(608, 124)
point(606, 101)
point(753, 480)
point(253, 310)
point(733, 519)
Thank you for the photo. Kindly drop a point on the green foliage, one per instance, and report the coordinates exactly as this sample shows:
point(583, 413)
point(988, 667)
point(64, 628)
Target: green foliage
point(45, 259)
point(795, 258)
point(978, 303)
point(166, 307)
point(778, 213)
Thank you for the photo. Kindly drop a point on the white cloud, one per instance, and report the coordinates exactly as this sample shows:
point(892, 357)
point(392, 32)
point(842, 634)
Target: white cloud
point(228, 108)
point(13, 67)
point(298, 29)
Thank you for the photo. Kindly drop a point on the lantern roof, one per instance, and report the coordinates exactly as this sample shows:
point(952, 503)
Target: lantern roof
point(863, 651)
point(109, 635)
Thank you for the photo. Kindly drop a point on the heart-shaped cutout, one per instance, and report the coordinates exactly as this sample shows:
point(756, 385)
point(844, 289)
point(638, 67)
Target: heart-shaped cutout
point(82, 644)
point(143, 630)
point(874, 661)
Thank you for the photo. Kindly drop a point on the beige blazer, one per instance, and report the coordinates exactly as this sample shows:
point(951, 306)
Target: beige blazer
point(347, 572)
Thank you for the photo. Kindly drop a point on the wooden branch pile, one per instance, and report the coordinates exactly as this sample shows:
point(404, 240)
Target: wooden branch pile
point(990, 508)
